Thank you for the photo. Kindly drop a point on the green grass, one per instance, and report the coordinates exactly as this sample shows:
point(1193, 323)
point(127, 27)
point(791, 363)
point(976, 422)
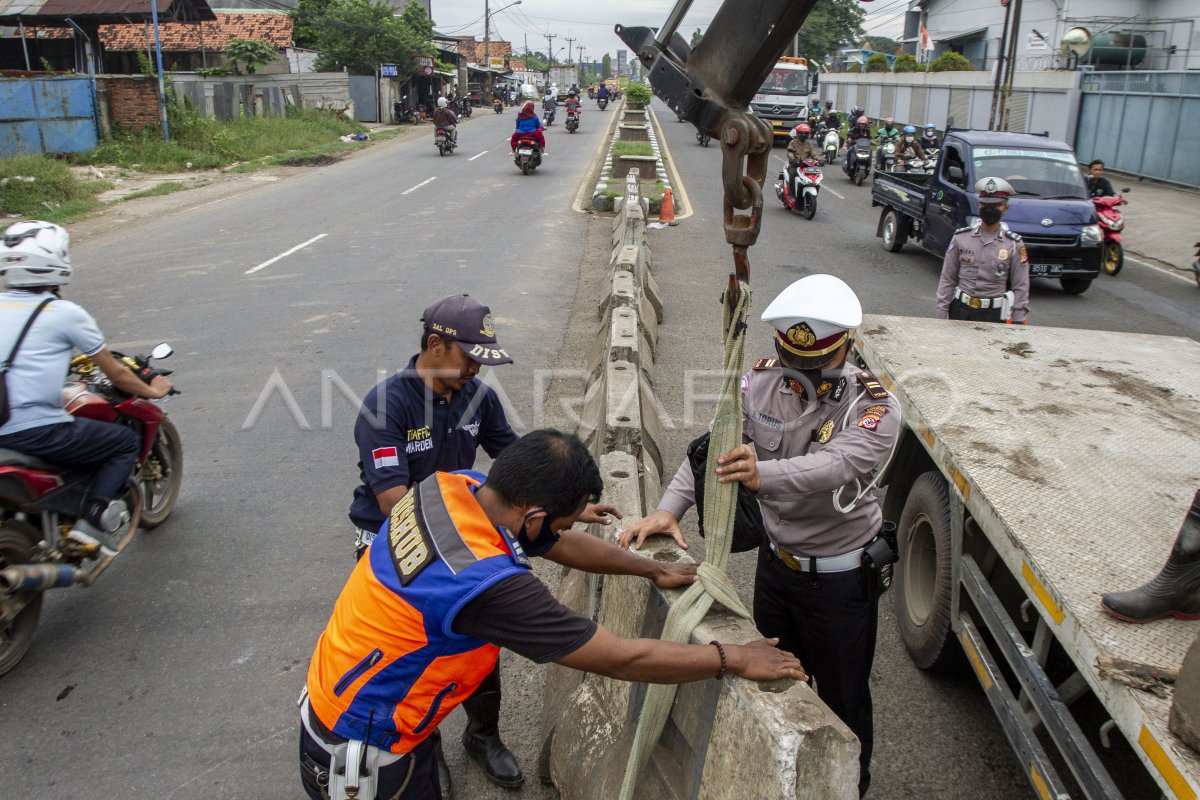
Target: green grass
point(206, 143)
point(54, 195)
point(157, 191)
point(632, 149)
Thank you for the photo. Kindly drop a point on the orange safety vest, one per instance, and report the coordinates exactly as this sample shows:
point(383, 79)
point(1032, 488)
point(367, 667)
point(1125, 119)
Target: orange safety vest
point(388, 667)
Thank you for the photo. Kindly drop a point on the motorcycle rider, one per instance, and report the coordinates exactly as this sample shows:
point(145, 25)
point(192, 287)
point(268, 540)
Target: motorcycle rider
point(860, 130)
point(1097, 184)
point(572, 103)
point(799, 150)
point(602, 92)
point(549, 106)
point(36, 263)
point(529, 124)
point(444, 118)
point(888, 132)
point(909, 147)
point(929, 140)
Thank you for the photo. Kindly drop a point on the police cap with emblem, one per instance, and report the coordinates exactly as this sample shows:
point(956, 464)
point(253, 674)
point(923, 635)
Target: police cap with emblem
point(813, 316)
point(469, 324)
point(994, 190)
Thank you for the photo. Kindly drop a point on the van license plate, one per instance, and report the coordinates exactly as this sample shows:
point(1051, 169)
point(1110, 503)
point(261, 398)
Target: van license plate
point(1051, 270)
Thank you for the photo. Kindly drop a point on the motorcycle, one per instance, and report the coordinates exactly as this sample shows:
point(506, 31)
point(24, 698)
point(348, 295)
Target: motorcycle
point(800, 193)
point(572, 120)
point(858, 164)
point(40, 502)
point(1111, 225)
point(887, 157)
point(402, 113)
point(830, 145)
point(591, 93)
point(702, 137)
point(602, 103)
point(915, 166)
point(528, 155)
point(548, 115)
point(464, 107)
point(444, 141)
point(498, 106)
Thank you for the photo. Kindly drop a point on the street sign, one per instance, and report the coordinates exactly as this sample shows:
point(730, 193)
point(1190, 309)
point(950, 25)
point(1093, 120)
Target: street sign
point(388, 71)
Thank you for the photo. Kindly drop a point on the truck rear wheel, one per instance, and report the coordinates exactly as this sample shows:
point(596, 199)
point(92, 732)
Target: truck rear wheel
point(923, 586)
point(893, 233)
point(1076, 285)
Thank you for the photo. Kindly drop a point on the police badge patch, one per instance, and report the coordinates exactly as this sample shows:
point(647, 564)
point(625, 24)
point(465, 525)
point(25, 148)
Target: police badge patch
point(872, 417)
point(826, 432)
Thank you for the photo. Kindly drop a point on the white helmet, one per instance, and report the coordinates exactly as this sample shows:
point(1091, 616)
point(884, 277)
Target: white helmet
point(35, 253)
point(441, 102)
point(812, 317)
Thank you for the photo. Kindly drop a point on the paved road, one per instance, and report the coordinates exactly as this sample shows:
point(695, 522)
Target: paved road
point(176, 676)
point(936, 738)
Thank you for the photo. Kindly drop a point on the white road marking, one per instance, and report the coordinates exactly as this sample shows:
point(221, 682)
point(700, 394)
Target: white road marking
point(472, 158)
point(418, 186)
point(285, 254)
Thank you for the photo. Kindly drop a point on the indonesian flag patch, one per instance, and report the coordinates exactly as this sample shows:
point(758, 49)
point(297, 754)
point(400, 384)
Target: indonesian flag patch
point(386, 457)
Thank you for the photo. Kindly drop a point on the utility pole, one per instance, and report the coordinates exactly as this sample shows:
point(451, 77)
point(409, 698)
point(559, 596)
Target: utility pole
point(998, 78)
point(550, 37)
point(1012, 61)
point(582, 49)
point(487, 53)
point(570, 41)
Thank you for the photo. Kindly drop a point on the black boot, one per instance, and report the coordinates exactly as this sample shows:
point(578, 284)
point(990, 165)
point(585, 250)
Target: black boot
point(481, 738)
point(1175, 592)
point(443, 771)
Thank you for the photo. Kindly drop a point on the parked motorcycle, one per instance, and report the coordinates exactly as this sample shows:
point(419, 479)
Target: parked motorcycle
point(498, 106)
point(402, 113)
point(800, 193)
point(1111, 225)
point(830, 145)
point(444, 139)
point(702, 137)
point(528, 155)
point(572, 120)
point(39, 502)
point(858, 165)
point(602, 103)
point(464, 106)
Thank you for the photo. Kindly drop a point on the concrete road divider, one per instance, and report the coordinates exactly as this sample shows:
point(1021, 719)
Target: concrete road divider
point(724, 739)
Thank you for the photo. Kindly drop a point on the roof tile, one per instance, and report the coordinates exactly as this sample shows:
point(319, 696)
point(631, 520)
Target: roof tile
point(270, 27)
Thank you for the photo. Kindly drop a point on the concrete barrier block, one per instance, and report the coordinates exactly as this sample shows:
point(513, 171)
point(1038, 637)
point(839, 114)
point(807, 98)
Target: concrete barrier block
point(622, 294)
point(652, 415)
point(652, 481)
point(651, 292)
point(622, 428)
point(591, 417)
point(627, 258)
point(623, 335)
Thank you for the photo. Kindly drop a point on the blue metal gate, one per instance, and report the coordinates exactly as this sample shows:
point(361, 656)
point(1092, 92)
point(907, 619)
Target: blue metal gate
point(1143, 122)
point(47, 115)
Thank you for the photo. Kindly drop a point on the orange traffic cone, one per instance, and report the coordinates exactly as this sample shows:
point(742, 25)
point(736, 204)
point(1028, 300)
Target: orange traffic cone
point(667, 212)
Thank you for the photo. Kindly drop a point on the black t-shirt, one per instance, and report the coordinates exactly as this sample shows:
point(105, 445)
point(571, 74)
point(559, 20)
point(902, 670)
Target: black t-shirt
point(520, 614)
point(1100, 187)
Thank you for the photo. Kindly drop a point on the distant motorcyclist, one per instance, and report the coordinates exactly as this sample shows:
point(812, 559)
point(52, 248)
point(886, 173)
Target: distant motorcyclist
point(909, 147)
point(549, 106)
point(888, 132)
point(444, 118)
point(929, 140)
point(35, 263)
point(602, 92)
point(572, 102)
point(861, 129)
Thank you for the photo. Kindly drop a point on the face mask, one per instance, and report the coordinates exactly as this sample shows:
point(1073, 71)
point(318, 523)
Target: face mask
point(990, 214)
point(544, 540)
point(908, 138)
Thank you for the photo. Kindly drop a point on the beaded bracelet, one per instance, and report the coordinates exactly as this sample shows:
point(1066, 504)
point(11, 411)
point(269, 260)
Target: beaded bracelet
point(724, 663)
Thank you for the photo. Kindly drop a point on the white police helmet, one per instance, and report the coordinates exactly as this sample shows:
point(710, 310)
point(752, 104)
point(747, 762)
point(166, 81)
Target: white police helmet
point(814, 315)
point(994, 190)
point(35, 253)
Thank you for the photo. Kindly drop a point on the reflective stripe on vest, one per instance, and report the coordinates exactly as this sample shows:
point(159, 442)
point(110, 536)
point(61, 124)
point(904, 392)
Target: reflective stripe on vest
point(388, 666)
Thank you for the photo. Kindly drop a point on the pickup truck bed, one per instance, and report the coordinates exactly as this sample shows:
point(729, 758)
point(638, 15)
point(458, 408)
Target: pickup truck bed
point(904, 191)
point(1078, 454)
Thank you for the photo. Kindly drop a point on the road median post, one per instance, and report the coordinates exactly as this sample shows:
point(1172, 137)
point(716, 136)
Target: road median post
point(724, 739)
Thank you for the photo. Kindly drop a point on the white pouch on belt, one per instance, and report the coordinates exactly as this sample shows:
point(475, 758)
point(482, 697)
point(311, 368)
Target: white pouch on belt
point(1007, 306)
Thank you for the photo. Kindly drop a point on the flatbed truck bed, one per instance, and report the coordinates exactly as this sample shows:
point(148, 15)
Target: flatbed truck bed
point(1068, 460)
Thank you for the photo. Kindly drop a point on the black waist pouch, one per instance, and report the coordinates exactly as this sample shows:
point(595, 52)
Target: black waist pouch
point(879, 556)
point(748, 529)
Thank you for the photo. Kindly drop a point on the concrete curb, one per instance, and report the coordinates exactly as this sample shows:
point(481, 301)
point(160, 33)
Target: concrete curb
point(723, 737)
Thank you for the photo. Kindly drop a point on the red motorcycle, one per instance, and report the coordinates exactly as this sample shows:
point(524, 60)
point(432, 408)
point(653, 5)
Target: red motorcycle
point(39, 502)
point(1111, 224)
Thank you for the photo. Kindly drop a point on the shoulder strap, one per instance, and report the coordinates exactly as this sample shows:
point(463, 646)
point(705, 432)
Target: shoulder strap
point(28, 324)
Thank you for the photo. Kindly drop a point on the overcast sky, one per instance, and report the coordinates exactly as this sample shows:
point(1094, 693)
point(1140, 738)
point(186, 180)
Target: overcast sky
point(591, 24)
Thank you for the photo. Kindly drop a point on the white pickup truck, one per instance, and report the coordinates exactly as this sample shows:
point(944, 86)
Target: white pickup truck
point(1038, 469)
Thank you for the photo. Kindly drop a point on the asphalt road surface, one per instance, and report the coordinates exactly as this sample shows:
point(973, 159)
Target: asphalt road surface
point(176, 675)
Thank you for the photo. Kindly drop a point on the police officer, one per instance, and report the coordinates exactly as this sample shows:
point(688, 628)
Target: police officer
point(432, 416)
point(447, 583)
point(820, 428)
point(985, 276)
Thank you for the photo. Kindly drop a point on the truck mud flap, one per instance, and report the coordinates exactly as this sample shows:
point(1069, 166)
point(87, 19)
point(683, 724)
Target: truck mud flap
point(1076, 751)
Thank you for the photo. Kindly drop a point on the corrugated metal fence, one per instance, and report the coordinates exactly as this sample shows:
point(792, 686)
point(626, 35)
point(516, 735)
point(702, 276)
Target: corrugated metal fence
point(47, 115)
point(1144, 123)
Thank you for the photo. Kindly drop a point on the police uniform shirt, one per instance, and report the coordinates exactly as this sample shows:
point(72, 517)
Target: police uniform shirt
point(985, 265)
point(414, 433)
point(802, 461)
